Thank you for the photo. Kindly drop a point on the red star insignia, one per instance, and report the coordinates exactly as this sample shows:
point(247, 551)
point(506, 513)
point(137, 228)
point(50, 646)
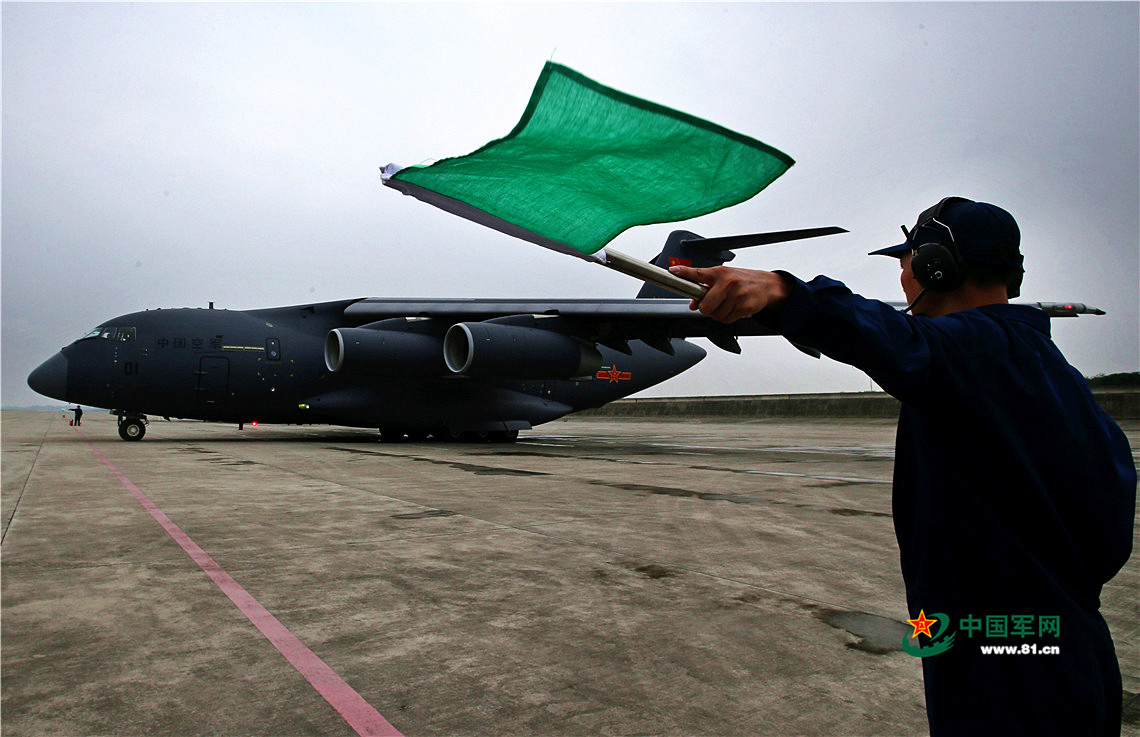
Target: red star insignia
point(614, 375)
point(922, 624)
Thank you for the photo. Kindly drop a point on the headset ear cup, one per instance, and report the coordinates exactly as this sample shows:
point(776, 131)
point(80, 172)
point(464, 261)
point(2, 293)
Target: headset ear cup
point(936, 269)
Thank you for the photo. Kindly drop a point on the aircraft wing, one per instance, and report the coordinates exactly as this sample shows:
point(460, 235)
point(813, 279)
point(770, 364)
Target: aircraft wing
point(475, 309)
point(610, 322)
point(1067, 309)
point(381, 308)
point(1053, 309)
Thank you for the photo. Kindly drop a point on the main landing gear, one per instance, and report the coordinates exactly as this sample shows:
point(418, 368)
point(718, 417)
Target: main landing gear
point(132, 427)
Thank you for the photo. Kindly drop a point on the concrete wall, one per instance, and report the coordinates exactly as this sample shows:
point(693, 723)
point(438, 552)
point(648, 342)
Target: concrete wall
point(1121, 404)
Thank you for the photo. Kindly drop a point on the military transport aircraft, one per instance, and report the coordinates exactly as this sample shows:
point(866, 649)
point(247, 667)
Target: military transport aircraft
point(452, 368)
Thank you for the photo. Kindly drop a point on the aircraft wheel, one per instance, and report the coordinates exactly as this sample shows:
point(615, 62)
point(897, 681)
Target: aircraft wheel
point(505, 436)
point(132, 429)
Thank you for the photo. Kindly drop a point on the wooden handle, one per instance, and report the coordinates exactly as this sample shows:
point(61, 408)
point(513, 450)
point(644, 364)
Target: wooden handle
point(647, 272)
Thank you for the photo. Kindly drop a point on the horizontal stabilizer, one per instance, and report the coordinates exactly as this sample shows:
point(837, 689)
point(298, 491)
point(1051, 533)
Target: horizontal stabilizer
point(686, 248)
point(731, 242)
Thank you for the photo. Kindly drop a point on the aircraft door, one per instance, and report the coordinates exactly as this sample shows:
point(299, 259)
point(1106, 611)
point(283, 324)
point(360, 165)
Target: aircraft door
point(213, 380)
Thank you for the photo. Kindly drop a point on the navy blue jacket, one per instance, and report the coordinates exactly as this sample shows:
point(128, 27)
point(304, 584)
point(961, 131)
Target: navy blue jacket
point(1014, 492)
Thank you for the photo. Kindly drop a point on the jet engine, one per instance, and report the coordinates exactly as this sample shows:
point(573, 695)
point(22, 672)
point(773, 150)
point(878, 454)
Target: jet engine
point(396, 347)
point(509, 350)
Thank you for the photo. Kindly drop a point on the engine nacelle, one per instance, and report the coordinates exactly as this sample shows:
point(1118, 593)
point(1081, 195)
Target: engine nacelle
point(510, 351)
point(395, 347)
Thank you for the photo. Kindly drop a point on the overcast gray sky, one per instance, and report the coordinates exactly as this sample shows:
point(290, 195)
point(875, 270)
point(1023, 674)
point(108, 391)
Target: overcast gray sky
point(169, 155)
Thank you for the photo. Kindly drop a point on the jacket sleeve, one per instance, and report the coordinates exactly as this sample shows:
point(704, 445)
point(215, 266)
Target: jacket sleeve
point(891, 347)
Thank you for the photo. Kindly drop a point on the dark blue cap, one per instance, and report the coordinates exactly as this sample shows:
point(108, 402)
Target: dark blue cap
point(977, 229)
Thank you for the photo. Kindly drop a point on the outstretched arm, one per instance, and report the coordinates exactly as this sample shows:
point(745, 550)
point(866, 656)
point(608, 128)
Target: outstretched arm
point(735, 294)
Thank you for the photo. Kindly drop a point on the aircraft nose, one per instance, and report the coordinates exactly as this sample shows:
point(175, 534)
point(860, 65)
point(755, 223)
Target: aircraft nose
point(50, 378)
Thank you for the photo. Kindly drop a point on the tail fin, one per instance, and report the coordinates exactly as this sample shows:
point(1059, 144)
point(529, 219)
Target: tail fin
point(689, 249)
point(684, 248)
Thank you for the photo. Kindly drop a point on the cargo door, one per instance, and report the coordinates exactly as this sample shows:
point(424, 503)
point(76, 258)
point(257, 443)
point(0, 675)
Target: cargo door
point(213, 380)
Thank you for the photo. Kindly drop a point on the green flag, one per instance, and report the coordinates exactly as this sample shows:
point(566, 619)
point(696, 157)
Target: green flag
point(586, 162)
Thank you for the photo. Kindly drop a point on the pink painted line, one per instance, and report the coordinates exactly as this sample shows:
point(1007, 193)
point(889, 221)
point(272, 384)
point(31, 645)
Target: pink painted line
point(359, 714)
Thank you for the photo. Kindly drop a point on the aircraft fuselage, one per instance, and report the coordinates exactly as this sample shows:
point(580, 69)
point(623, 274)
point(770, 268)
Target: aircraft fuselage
point(269, 366)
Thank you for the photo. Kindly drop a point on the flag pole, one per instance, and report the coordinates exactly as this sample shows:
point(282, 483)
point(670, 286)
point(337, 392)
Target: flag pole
point(655, 275)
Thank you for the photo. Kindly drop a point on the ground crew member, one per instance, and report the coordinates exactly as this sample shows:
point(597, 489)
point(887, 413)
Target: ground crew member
point(1014, 493)
point(78, 415)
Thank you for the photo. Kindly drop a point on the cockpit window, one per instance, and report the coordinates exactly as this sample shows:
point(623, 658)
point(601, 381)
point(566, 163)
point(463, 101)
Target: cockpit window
point(107, 332)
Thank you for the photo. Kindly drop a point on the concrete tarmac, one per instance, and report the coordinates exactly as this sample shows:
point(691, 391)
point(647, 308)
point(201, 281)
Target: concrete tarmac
point(600, 576)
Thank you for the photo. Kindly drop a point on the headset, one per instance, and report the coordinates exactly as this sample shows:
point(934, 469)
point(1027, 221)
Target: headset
point(936, 264)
